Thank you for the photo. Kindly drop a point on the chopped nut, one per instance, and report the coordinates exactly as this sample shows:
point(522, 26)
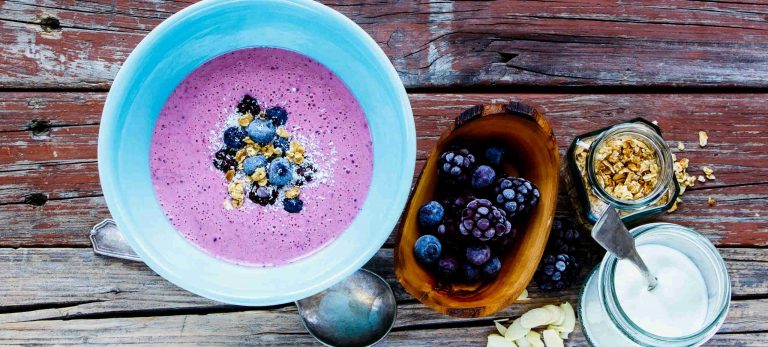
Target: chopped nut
point(708, 172)
point(627, 168)
point(251, 150)
point(259, 174)
point(248, 141)
point(674, 205)
point(701, 179)
point(655, 122)
point(241, 155)
point(236, 193)
point(262, 182)
point(292, 193)
point(268, 150)
point(230, 175)
point(282, 132)
point(245, 119)
point(703, 138)
point(711, 201)
point(680, 146)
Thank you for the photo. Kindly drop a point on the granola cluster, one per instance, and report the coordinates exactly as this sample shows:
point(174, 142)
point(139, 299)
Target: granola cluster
point(627, 168)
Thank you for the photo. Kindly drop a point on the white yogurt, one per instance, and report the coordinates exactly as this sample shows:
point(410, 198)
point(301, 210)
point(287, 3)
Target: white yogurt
point(677, 306)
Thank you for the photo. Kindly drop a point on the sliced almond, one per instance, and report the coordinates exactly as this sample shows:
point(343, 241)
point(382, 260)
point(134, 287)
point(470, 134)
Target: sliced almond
point(536, 317)
point(534, 338)
point(703, 138)
point(570, 317)
point(564, 335)
point(522, 342)
point(495, 340)
point(680, 146)
point(502, 330)
point(555, 312)
point(552, 338)
point(516, 330)
point(523, 296)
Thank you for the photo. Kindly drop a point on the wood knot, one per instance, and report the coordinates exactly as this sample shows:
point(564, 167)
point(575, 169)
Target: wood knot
point(36, 199)
point(39, 127)
point(50, 23)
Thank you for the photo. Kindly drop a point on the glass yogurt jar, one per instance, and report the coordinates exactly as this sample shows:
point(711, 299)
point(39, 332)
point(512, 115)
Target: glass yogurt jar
point(686, 308)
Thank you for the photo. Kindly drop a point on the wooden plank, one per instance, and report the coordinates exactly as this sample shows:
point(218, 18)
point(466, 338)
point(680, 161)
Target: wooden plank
point(103, 300)
point(437, 43)
point(48, 146)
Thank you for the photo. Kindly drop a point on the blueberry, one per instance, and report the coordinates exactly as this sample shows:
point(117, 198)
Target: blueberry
point(249, 105)
point(427, 249)
point(282, 143)
point(261, 131)
point(469, 273)
point(294, 205)
point(250, 164)
point(494, 155)
point(447, 266)
point(233, 137)
point(491, 268)
point(478, 255)
point(279, 172)
point(431, 214)
point(277, 115)
point(483, 177)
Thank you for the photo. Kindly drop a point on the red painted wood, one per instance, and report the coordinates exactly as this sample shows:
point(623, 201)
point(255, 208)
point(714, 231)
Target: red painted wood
point(439, 43)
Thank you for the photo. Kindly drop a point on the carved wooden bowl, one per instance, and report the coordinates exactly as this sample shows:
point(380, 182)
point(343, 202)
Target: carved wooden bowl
point(532, 154)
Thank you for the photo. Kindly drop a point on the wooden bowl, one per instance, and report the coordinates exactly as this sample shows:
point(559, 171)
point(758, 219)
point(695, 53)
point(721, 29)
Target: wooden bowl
point(532, 154)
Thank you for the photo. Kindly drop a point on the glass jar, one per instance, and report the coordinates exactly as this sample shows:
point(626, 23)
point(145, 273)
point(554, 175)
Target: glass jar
point(606, 324)
point(589, 196)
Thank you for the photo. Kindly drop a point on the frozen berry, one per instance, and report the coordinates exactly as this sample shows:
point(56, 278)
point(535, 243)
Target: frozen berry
point(491, 268)
point(447, 266)
point(249, 105)
point(469, 273)
point(478, 254)
point(234, 136)
point(427, 249)
point(456, 165)
point(294, 205)
point(494, 155)
point(483, 177)
point(455, 204)
point(263, 195)
point(224, 159)
point(261, 131)
point(277, 115)
point(563, 238)
point(431, 214)
point(250, 164)
point(482, 220)
point(283, 143)
point(557, 272)
point(515, 195)
point(279, 172)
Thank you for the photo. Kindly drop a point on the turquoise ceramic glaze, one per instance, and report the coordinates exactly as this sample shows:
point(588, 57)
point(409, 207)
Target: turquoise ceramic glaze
point(197, 34)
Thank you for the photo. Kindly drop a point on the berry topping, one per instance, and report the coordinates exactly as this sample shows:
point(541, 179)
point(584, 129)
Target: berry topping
point(280, 172)
point(427, 249)
point(491, 268)
point(557, 272)
point(234, 136)
point(431, 214)
point(261, 131)
point(563, 238)
point(447, 266)
point(515, 195)
point(263, 195)
point(484, 221)
point(483, 177)
point(249, 105)
point(283, 143)
point(294, 205)
point(456, 165)
point(494, 155)
point(455, 204)
point(224, 160)
point(277, 115)
point(468, 273)
point(479, 254)
point(250, 164)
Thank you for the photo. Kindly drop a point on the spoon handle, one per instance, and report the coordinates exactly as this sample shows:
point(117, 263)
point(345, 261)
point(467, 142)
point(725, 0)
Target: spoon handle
point(635, 258)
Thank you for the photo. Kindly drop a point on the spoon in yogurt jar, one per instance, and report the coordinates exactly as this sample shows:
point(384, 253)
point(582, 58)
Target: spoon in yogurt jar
point(611, 233)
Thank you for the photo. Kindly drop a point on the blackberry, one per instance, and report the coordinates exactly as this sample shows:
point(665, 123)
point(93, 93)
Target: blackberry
point(484, 221)
point(224, 159)
point(455, 204)
point(277, 115)
point(516, 196)
point(249, 105)
point(557, 272)
point(263, 195)
point(455, 166)
point(563, 238)
point(234, 136)
point(305, 173)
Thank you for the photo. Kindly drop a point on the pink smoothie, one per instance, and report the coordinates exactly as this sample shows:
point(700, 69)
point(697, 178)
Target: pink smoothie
point(322, 113)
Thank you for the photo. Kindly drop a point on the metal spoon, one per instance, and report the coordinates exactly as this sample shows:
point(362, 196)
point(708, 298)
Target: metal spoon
point(358, 311)
point(610, 232)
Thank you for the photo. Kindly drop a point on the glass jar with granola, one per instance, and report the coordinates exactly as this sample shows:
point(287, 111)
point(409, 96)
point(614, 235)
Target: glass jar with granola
point(627, 166)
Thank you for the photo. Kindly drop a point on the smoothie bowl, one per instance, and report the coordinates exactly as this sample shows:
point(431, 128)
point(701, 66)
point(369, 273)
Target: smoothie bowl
point(256, 152)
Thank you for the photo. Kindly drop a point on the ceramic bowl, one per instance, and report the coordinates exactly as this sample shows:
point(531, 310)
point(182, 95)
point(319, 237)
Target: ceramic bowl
point(532, 154)
point(206, 30)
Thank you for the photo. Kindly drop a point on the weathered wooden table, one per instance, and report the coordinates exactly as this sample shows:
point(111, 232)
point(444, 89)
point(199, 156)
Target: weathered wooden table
point(691, 65)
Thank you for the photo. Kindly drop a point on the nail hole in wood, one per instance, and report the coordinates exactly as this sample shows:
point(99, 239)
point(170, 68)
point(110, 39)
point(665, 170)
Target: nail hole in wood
point(36, 199)
point(39, 127)
point(50, 24)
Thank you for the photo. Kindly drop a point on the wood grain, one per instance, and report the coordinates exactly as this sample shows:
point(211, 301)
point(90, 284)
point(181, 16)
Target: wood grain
point(667, 43)
point(103, 300)
point(58, 160)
